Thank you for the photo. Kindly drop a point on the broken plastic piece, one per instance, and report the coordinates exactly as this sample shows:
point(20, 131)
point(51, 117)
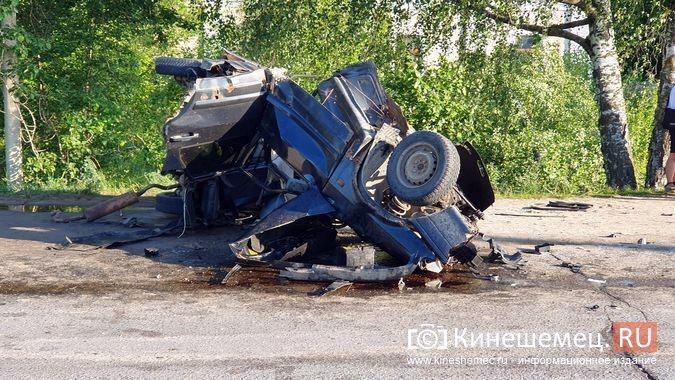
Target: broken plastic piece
point(151, 251)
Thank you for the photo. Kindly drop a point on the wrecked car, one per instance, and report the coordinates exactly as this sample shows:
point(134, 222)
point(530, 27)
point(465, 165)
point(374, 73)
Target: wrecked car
point(249, 145)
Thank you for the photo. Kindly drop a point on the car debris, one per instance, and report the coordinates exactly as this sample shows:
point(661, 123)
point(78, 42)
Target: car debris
point(360, 257)
point(597, 281)
point(236, 268)
point(562, 206)
point(544, 247)
point(538, 249)
point(130, 222)
point(333, 287)
point(109, 239)
point(250, 147)
point(487, 277)
point(642, 241)
point(318, 272)
point(575, 268)
point(499, 254)
point(151, 251)
point(401, 284)
point(434, 284)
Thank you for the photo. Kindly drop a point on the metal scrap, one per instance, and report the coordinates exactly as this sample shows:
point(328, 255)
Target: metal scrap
point(499, 254)
point(110, 239)
point(538, 249)
point(229, 274)
point(334, 286)
point(575, 268)
point(317, 272)
point(544, 247)
point(562, 206)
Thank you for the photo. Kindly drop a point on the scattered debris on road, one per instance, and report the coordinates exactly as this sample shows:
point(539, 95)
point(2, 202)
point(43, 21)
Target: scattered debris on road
point(561, 206)
point(434, 284)
point(575, 268)
point(499, 254)
point(333, 287)
point(230, 273)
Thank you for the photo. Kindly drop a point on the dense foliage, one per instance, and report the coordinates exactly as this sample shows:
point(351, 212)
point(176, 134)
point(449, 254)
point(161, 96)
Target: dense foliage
point(87, 76)
point(90, 97)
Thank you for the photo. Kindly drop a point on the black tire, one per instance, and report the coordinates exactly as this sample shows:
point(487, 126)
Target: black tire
point(423, 168)
point(169, 203)
point(182, 67)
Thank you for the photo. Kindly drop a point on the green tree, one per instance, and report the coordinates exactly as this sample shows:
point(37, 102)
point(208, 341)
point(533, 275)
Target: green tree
point(599, 45)
point(88, 77)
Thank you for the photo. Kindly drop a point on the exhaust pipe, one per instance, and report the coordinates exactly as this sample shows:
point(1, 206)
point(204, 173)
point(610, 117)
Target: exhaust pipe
point(119, 202)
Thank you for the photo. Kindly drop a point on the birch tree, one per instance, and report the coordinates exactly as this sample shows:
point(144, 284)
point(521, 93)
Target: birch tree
point(12, 118)
point(536, 17)
point(660, 141)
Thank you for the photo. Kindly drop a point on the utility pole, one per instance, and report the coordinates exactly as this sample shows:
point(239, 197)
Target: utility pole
point(13, 154)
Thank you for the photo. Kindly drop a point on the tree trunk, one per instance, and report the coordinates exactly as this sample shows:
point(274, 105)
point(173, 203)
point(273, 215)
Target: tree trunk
point(660, 141)
point(613, 121)
point(13, 155)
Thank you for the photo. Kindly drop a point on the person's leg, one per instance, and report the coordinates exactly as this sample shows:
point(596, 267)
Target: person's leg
point(670, 168)
point(670, 163)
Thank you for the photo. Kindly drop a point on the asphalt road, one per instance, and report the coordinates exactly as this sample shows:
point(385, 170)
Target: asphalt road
point(114, 313)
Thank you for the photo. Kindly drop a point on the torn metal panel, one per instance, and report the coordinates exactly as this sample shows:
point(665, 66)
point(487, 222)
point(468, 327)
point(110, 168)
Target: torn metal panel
point(500, 254)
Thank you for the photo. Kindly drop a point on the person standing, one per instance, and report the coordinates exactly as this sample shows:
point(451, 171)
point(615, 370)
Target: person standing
point(669, 124)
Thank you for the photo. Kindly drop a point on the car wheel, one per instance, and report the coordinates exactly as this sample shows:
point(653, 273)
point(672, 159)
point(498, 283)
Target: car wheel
point(423, 168)
point(169, 203)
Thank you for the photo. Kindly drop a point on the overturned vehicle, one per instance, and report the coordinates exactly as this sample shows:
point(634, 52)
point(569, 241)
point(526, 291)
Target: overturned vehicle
point(250, 145)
